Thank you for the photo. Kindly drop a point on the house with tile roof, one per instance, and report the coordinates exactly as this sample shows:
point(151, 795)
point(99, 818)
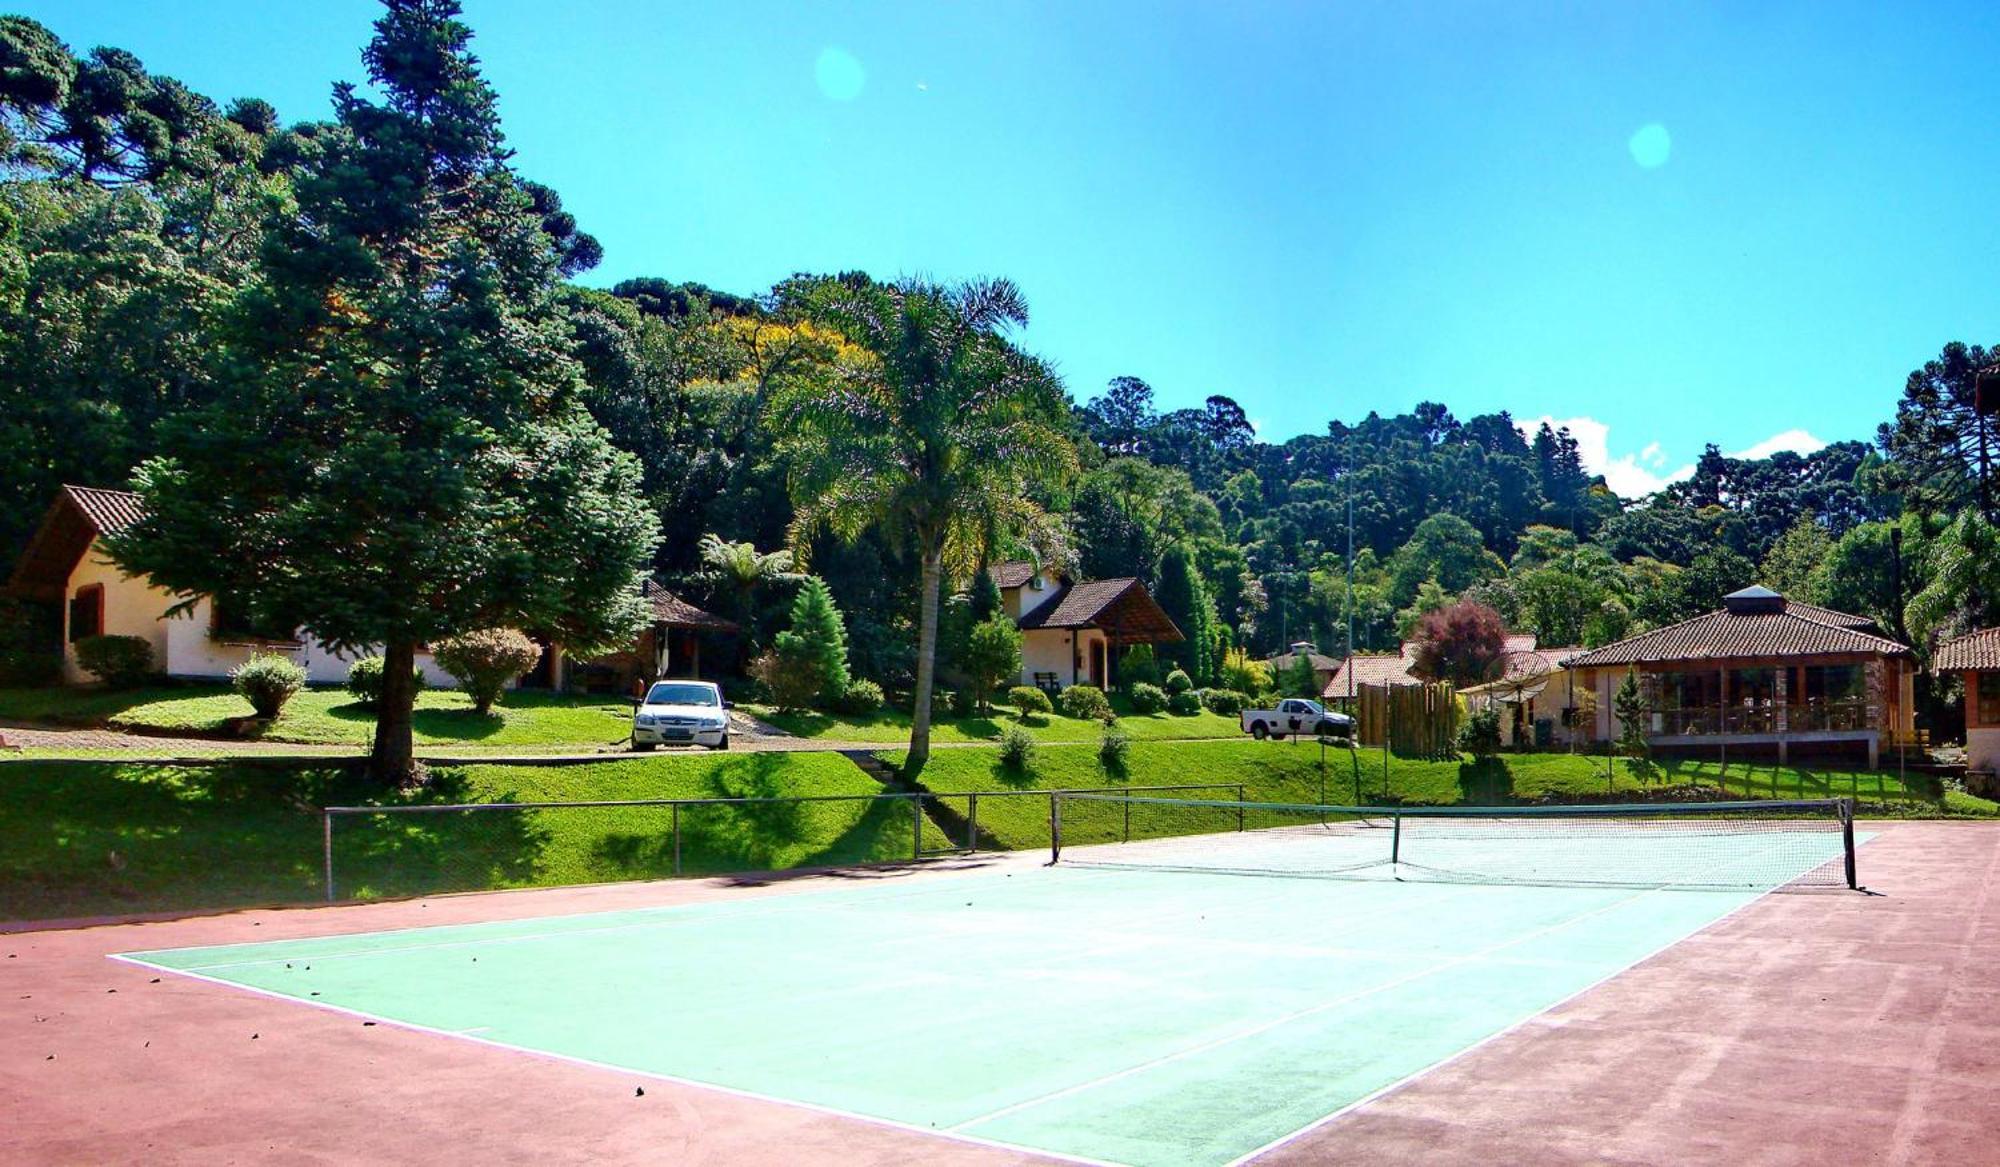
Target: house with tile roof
point(1393, 668)
point(1975, 657)
point(1073, 630)
point(65, 564)
point(1762, 673)
point(1324, 666)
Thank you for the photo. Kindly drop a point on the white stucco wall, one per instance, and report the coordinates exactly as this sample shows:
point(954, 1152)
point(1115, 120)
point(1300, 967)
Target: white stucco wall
point(132, 607)
point(182, 646)
point(1046, 650)
point(1028, 597)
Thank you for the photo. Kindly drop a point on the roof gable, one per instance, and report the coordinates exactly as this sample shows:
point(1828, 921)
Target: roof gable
point(1123, 608)
point(671, 610)
point(1756, 630)
point(72, 523)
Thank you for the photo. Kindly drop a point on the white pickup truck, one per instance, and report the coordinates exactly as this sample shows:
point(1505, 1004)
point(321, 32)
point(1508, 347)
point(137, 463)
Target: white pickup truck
point(1296, 717)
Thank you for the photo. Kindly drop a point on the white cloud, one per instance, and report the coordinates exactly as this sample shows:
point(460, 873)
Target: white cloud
point(1631, 475)
point(1640, 474)
point(1797, 441)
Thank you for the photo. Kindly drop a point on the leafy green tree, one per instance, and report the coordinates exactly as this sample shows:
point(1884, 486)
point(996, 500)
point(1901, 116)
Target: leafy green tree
point(938, 432)
point(1183, 594)
point(486, 661)
point(1299, 679)
point(1460, 643)
point(1858, 573)
point(1963, 588)
point(817, 636)
point(992, 658)
point(1445, 549)
point(1789, 565)
point(397, 451)
point(737, 571)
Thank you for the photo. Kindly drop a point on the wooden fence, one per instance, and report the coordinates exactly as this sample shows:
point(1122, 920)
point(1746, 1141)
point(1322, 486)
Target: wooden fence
point(1417, 721)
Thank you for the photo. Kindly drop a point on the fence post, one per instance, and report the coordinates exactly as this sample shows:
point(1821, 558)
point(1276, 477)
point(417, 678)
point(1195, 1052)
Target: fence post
point(326, 842)
point(1128, 816)
point(677, 838)
point(916, 826)
point(972, 824)
point(1055, 827)
point(1239, 806)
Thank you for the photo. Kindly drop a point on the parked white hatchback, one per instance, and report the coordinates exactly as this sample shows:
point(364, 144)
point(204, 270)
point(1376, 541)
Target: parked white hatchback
point(682, 713)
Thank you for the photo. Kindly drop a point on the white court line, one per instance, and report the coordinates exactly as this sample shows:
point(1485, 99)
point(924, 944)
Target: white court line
point(1406, 1079)
point(649, 1075)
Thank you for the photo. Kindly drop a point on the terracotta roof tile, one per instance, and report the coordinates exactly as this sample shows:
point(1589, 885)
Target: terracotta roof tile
point(1012, 574)
point(1974, 650)
point(1726, 635)
point(670, 609)
point(1078, 605)
point(1381, 668)
point(107, 510)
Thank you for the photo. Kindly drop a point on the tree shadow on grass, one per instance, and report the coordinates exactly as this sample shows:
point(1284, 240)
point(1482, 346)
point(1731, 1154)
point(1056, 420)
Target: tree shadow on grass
point(1485, 782)
point(457, 724)
point(719, 838)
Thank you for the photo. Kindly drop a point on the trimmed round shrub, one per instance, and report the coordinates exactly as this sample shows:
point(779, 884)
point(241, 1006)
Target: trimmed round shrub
point(1148, 698)
point(1227, 702)
point(364, 680)
point(486, 660)
point(1480, 735)
point(267, 681)
point(1112, 748)
point(1187, 702)
point(859, 699)
point(1017, 748)
point(1139, 666)
point(1179, 682)
point(1085, 703)
point(1030, 700)
point(119, 661)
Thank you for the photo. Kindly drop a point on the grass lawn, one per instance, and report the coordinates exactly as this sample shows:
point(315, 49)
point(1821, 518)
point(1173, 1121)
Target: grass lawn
point(105, 838)
point(330, 716)
point(1287, 772)
point(893, 726)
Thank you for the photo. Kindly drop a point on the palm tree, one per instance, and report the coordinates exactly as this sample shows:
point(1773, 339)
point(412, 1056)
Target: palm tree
point(740, 569)
point(934, 429)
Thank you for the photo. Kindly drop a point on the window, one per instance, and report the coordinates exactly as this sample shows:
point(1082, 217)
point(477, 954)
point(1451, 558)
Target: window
point(1988, 685)
point(86, 612)
point(232, 620)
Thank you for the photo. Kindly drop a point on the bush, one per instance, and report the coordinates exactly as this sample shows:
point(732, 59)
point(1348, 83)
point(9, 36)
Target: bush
point(1179, 682)
point(1187, 702)
point(267, 681)
point(1139, 666)
point(1227, 702)
point(1243, 675)
point(1480, 735)
point(964, 703)
point(1085, 703)
point(943, 701)
point(484, 661)
point(992, 653)
point(1017, 748)
point(28, 639)
point(792, 682)
point(1111, 749)
point(364, 680)
point(119, 661)
point(1030, 700)
point(1148, 698)
point(859, 699)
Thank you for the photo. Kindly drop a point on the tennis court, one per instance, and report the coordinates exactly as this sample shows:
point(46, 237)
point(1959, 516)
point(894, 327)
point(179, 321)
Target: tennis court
point(1178, 1000)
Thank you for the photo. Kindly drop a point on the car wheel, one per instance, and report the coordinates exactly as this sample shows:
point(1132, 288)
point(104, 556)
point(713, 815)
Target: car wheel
point(1259, 731)
point(721, 745)
point(644, 747)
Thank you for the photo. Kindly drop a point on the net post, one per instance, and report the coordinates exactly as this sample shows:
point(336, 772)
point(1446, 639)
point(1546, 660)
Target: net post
point(972, 823)
point(1055, 826)
point(326, 846)
point(916, 826)
point(677, 838)
point(1847, 841)
point(1395, 837)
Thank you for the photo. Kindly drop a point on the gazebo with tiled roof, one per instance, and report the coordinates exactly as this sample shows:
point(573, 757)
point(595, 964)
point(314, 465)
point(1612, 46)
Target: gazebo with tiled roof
point(1761, 671)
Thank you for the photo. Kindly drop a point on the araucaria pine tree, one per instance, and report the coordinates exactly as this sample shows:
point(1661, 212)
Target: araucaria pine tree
point(397, 451)
point(817, 640)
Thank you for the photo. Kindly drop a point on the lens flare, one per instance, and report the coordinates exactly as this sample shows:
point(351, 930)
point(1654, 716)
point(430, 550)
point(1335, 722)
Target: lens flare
point(1651, 145)
point(840, 76)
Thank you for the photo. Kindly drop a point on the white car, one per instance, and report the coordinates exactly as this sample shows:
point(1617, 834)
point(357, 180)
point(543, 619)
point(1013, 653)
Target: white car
point(682, 713)
point(1296, 717)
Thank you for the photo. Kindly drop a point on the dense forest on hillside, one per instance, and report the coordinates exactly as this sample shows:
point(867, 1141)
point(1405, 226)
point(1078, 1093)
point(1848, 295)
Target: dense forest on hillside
point(135, 213)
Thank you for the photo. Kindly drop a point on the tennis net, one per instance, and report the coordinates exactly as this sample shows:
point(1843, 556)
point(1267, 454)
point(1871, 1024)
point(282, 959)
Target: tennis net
point(1766, 844)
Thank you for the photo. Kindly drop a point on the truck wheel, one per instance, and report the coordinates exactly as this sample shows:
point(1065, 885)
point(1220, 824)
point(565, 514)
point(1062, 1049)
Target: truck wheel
point(1259, 731)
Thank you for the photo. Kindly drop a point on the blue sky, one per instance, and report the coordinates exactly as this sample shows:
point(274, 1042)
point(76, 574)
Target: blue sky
point(1667, 223)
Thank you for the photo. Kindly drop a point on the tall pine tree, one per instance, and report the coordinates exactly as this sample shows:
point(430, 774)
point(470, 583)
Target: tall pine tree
point(1185, 597)
point(397, 452)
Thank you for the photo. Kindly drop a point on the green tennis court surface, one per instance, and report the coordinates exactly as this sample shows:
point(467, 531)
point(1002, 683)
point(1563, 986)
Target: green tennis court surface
point(1141, 1014)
